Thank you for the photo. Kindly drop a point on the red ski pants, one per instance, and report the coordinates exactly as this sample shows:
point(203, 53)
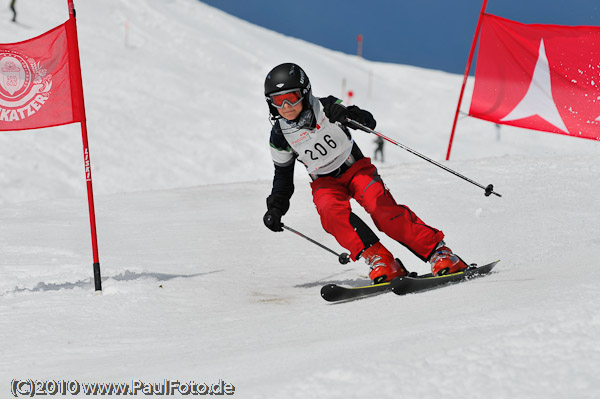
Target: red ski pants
point(361, 181)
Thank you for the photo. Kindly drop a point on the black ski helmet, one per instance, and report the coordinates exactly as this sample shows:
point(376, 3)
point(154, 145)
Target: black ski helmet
point(285, 77)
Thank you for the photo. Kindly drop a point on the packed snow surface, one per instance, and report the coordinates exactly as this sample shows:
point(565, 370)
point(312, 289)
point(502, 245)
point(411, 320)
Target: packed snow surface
point(197, 289)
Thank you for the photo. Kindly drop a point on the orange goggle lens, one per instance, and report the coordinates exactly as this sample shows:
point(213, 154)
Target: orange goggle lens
point(291, 97)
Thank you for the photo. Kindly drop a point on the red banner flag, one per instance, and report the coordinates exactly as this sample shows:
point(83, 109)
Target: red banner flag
point(541, 77)
point(40, 82)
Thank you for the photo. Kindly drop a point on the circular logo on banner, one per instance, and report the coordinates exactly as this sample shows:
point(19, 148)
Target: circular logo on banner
point(24, 86)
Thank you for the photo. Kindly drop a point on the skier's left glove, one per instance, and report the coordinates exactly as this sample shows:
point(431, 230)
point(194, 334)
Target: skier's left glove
point(336, 112)
point(272, 219)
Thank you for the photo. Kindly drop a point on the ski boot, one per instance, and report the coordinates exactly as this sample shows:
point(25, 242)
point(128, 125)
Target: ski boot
point(443, 261)
point(383, 266)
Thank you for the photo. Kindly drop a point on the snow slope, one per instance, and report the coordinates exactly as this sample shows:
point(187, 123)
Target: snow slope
point(195, 288)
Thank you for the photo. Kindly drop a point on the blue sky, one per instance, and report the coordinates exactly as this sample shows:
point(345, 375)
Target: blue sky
point(434, 34)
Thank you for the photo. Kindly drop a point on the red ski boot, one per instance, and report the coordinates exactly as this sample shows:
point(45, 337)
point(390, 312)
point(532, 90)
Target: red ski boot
point(382, 264)
point(443, 261)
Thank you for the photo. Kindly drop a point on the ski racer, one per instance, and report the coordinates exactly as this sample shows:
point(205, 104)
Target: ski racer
point(313, 131)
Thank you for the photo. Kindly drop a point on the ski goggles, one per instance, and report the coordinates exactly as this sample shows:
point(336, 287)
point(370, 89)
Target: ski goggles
point(292, 97)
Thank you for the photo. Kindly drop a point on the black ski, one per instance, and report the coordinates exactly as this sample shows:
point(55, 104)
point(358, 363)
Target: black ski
point(408, 285)
point(403, 285)
point(336, 293)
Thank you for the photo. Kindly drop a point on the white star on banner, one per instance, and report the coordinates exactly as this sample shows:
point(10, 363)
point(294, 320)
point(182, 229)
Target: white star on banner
point(538, 99)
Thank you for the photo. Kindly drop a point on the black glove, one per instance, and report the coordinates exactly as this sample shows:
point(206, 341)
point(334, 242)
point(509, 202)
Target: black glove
point(272, 219)
point(336, 112)
point(356, 114)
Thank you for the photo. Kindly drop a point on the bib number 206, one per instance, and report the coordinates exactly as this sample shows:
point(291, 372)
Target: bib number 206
point(320, 148)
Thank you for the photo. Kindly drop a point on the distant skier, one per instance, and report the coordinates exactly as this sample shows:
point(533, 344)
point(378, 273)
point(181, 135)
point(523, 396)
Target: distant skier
point(379, 142)
point(14, 10)
point(312, 131)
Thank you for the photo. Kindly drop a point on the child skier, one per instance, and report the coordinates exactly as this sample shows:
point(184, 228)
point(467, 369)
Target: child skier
point(313, 131)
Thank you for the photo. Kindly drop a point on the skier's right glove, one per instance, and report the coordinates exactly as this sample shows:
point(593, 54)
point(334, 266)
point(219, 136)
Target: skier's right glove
point(272, 219)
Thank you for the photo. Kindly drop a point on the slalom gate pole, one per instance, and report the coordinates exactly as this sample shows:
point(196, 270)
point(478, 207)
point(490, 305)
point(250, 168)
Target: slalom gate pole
point(75, 61)
point(343, 257)
point(488, 190)
point(466, 75)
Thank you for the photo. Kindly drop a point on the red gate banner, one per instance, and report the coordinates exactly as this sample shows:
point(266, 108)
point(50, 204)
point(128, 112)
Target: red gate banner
point(541, 77)
point(39, 84)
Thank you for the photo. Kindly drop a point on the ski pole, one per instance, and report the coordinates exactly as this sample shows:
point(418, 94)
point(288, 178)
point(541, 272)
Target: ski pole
point(488, 190)
point(343, 257)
